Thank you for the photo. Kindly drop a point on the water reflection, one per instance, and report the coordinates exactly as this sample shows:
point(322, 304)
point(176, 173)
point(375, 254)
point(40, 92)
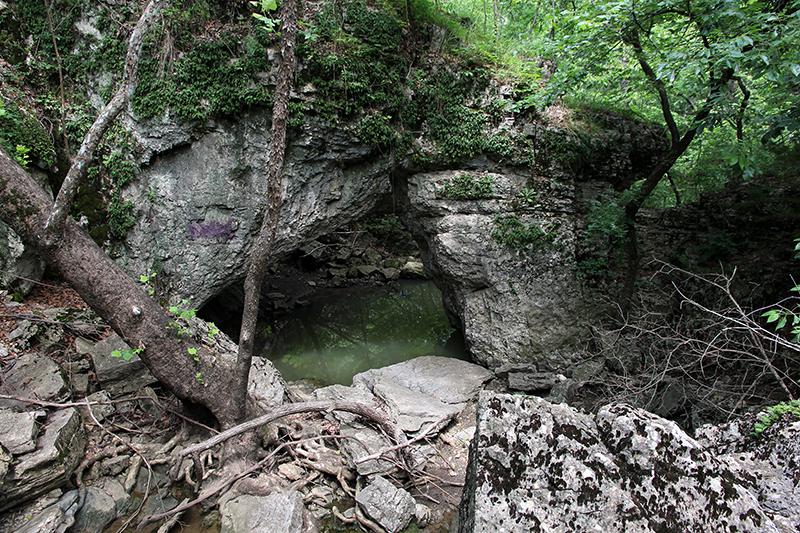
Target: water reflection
point(342, 332)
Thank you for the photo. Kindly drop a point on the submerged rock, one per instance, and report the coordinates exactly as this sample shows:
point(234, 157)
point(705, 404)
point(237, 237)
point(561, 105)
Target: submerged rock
point(536, 466)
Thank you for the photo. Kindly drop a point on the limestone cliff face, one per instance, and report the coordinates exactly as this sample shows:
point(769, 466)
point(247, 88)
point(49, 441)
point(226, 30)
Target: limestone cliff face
point(513, 305)
point(201, 198)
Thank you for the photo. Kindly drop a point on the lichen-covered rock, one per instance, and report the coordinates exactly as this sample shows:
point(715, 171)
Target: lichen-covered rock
point(535, 466)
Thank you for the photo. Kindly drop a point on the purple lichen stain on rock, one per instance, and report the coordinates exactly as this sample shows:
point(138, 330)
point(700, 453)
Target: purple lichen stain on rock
point(221, 232)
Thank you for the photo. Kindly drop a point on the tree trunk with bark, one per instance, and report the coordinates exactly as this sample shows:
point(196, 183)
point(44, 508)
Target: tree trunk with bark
point(262, 253)
point(43, 224)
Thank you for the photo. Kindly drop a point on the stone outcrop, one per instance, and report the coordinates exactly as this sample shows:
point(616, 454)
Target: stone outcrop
point(201, 189)
point(536, 466)
point(58, 451)
point(512, 305)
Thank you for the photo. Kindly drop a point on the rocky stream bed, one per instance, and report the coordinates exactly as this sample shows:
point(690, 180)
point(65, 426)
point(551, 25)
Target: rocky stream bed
point(90, 443)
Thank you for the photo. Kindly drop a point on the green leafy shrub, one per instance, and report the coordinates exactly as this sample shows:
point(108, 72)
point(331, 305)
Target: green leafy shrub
point(376, 131)
point(459, 132)
point(511, 231)
point(464, 187)
point(775, 413)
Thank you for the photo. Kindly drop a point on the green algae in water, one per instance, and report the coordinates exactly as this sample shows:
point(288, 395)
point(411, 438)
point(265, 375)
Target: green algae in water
point(342, 332)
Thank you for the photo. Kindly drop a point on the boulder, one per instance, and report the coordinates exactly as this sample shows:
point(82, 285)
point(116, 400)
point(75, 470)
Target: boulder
point(18, 430)
point(20, 267)
point(338, 392)
point(536, 466)
point(391, 507)
point(37, 377)
point(266, 383)
point(281, 512)
point(449, 380)
point(513, 306)
point(58, 451)
point(98, 511)
point(413, 270)
point(118, 375)
point(414, 411)
point(57, 517)
point(365, 442)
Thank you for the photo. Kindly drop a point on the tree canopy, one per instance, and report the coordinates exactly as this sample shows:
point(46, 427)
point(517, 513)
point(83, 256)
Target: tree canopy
point(728, 68)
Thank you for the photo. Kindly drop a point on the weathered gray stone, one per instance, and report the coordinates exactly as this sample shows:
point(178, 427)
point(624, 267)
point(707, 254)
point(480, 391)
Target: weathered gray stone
point(341, 393)
point(204, 199)
point(58, 452)
point(412, 410)
point(391, 507)
point(266, 383)
point(19, 266)
point(37, 377)
point(448, 380)
point(372, 257)
point(99, 411)
point(276, 513)
point(118, 375)
point(5, 463)
point(413, 269)
point(389, 274)
point(513, 306)
point(18, 430)
point(98, 511)
point(365, 271)
point(536, 466)
point(55, 518)
point(366, 441)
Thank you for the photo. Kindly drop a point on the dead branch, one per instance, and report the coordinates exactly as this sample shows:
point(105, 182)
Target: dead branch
point(305, 407)
point(377, 455)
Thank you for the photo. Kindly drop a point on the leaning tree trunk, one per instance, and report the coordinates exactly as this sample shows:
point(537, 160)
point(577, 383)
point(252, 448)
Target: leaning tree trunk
point(45, 225)
point(116, 297)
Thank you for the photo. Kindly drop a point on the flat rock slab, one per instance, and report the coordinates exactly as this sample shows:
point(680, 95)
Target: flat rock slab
point(276, 513)
point(18, 430)
point(35, 376)
point(536, 466)
point(391, 507)
point(412, 410)
point(116, 374)
point(448, 380)
point(58, 452)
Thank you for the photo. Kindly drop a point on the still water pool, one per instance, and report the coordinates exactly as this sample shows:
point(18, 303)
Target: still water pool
point(341, 332)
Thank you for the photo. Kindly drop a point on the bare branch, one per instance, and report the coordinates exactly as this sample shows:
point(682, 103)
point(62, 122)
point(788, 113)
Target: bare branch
point(80, 165)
